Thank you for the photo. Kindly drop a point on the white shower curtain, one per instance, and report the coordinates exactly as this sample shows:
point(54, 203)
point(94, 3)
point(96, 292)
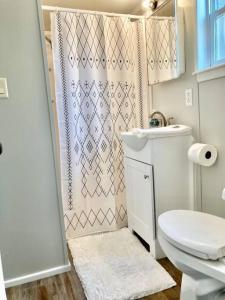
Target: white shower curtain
point(101, 87)
point(162, 56)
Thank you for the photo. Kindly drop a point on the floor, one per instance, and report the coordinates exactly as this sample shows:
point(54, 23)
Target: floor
point(67, 286)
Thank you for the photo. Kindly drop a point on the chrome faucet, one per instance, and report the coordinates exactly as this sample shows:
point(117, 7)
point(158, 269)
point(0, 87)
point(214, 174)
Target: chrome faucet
point(164, 122)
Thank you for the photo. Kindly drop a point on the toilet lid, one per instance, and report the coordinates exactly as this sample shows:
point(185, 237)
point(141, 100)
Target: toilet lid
point(197, 233)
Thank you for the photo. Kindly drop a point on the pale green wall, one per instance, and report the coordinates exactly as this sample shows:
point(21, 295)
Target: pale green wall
point(212, 124)
point(206, 116)
point(31, 238)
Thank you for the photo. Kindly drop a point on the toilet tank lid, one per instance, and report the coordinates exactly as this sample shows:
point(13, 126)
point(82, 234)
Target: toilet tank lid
point(199, 234)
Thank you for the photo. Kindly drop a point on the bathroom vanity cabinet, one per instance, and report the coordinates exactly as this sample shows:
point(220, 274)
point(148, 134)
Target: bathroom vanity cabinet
point(140, 198)
point(158, 178)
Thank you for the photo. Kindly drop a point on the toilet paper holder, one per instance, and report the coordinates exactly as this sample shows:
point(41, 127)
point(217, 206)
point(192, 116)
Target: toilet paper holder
point(208, 155)
point(202, 154)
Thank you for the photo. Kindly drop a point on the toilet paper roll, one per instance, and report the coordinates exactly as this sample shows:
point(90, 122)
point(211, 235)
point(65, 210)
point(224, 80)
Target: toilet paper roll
point(202, 154)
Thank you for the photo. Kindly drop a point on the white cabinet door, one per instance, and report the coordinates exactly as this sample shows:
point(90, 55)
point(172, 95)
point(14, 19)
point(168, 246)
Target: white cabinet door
point(140, 199)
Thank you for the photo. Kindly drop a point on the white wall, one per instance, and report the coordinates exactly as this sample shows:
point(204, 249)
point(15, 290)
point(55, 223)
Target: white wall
point(31, 233)
point(212, 131)
point(206, 116)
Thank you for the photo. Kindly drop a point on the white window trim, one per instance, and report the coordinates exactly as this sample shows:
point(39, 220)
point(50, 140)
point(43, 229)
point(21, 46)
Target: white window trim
point(217, 70)
point(210, 73)
point(212, 17)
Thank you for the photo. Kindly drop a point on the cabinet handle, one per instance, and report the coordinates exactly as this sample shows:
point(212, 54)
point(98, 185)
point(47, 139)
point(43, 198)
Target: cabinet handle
point(146, 176)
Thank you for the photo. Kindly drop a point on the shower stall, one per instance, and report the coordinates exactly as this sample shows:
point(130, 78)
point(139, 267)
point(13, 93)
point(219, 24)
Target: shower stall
point(98, 79)
point(100, 65)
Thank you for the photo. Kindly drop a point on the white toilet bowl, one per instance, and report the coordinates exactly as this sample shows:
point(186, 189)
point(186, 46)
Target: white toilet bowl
point(195, 243)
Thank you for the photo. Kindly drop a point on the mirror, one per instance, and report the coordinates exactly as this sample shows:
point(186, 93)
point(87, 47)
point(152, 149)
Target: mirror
point(166, 9)
point(165, 42)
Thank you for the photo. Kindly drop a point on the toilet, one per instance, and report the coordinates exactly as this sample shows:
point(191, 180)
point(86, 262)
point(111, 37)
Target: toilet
point(195, 243)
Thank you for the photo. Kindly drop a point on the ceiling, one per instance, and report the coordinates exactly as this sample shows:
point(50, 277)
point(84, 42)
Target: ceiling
point(116, 6)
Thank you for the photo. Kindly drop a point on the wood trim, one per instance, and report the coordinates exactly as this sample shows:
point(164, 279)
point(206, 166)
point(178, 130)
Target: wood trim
point(38, 275)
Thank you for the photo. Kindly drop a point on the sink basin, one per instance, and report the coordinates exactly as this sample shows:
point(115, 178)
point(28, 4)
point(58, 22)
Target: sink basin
point(133, 141)
point(137, 138)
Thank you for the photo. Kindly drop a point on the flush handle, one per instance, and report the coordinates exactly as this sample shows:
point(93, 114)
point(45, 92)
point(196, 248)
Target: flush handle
point(146, 176)
point(1, 149)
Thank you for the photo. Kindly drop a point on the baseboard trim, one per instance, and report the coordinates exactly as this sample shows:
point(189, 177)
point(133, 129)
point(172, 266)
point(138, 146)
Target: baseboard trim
point(37, 275)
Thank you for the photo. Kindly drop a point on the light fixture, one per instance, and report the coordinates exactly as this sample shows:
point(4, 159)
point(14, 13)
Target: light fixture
point(150, 4)
point(153, 4)
point(146, 3)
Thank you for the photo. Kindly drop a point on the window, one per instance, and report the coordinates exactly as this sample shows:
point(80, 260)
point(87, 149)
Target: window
point(210, 33)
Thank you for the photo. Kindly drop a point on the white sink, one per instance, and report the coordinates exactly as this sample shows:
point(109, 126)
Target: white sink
point(133, 141)
point(137, 138)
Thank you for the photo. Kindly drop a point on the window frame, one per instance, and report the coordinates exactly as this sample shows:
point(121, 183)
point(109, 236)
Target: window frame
point(213, 15)
point(205, 23)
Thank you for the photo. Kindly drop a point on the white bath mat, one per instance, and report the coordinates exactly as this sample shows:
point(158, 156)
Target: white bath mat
point(115, 266)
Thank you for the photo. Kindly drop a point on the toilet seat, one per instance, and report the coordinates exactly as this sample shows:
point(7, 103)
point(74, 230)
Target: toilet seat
point(199, 234)
point(190, 264)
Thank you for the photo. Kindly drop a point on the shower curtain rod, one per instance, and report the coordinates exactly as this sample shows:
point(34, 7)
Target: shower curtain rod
point(58, 8)
point(160, 18)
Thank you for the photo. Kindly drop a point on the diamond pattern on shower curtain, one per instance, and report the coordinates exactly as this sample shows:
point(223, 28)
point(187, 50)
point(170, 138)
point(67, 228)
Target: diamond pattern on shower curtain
point(86, 36)
point(120, 48)
point(74, 220)
point(96, 100)
point(101, 111)
point(161, 43)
